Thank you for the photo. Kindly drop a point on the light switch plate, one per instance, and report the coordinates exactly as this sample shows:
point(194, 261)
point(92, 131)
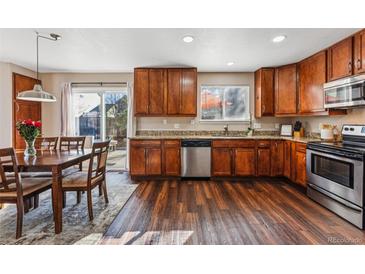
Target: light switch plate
point(256, 125)
point(176, 125)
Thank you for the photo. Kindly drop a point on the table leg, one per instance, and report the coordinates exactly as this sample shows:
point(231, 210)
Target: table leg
point(57, 198)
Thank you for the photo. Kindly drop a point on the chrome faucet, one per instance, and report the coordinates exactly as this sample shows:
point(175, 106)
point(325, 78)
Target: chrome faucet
point(225, 129)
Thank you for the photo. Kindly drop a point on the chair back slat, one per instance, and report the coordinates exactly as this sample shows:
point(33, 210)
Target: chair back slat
point(69, 143)
point(100, 153)
point(7, 183)
point(46, 143)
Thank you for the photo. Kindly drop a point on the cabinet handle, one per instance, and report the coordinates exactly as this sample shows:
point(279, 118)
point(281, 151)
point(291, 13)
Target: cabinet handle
point(358, 63)
point(17, 107)
point(350, 67)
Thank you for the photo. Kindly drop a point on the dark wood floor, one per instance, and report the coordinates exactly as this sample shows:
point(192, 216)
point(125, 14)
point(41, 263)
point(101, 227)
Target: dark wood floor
point(256, 211)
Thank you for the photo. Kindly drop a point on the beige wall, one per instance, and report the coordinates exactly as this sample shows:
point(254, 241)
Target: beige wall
point(53, 82)
point(242, 78)
point(6, 95)
point(354, 116)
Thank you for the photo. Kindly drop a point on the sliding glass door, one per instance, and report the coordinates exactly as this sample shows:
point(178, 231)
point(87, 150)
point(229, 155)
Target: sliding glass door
point(104, 115)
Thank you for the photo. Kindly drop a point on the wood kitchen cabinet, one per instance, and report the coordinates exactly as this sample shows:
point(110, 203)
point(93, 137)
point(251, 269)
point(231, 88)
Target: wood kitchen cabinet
point(145, 157)
point(263, 158)
point(264, 92)
point(244, 162)
point(340, 59)
point(171, 158)
point(287, 159)
point(359, 52)
point(233, 158)
point(277, 158)
point(312, 76)
point(165, 91)
point(286, 90)
point(300, 164)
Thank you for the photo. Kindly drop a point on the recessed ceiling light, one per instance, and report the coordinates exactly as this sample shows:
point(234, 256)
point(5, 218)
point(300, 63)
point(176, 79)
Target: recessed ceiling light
point(279, 38)
point(188, 39)
point(230, 64)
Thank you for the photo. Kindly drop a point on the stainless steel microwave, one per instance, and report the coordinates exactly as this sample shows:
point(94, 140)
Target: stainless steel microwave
point(345, 93)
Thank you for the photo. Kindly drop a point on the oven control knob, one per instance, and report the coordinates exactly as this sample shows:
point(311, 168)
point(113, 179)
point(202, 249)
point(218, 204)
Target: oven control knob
point(352, 129)
point(346, 128)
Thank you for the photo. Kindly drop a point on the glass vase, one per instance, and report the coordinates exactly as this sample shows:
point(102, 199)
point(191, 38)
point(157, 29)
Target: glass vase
point(30, 149)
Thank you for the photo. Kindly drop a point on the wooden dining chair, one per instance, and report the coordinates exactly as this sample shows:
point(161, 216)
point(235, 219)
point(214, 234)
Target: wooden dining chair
point(46, 143)
point(14, 189)
point(95, 176)
point(69, 143)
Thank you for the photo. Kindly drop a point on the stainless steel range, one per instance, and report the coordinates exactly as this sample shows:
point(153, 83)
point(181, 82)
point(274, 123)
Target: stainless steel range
point(335, 174)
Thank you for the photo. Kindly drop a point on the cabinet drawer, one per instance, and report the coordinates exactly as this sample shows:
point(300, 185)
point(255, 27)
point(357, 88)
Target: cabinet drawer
point(263, 143)
point(146, 143)
point(233, 143)
point(171, 143)
point(300, 147)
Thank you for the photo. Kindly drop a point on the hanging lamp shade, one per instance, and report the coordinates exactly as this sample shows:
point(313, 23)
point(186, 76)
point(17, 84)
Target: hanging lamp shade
point(37, 94)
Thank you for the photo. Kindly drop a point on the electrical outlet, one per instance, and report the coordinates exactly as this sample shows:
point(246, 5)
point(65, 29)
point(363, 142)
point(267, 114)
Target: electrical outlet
point(192, 122)
point(164, 121)
point(176, 125)
point(277, 125)
point(256, 125)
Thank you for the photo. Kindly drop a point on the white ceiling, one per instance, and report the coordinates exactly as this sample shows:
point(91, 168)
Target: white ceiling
point(120, 50)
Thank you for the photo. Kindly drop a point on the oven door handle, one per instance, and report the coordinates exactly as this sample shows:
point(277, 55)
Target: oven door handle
point(335, 197)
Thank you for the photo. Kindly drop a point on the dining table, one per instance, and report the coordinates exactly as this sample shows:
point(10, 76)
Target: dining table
point(54, 161)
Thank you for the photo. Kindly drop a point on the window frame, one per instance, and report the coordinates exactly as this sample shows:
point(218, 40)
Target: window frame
point(222, 120)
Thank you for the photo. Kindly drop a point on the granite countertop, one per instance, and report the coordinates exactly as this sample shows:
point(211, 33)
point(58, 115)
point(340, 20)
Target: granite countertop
point(212, 137)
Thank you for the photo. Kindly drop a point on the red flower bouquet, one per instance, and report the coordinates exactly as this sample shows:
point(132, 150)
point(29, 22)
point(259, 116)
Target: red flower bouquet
point(29, 130)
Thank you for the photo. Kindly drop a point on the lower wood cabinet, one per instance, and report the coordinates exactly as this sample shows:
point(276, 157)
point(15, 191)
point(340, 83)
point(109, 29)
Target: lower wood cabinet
point(287, 162)
point(171, 158)
point(263, 161)
point(233, 158)
point(155, 158)
point(295, 162)
point(277, 158)
point(221, 162)
point(244, 162)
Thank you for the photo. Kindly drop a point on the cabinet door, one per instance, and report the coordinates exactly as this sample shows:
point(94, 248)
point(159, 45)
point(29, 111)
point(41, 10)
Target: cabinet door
point(244, 162)
point(264, 92)
point(188, 92)
point(137, 160)
point(287, 159)
point(340, 60)
point(300, 166)
point(157, 85)
point(141, 91)
point(173, 91)
point(277, 158)
point(263, 162)
point(312, 76)
point(293, 160)
point(359, 52)
point(153, 161)
point(286, 90)
point(171, 158)
point(221, 162)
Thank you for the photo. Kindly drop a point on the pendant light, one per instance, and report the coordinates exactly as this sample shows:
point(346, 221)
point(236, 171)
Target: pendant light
point(37, 94)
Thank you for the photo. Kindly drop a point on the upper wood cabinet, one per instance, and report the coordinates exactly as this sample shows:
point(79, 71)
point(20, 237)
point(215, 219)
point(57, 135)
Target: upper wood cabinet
point(286, 90)
point(340, 59)
point(359, 52)
point(165, 91)
point(141, 91)
point(264, 92)
point(312, 76)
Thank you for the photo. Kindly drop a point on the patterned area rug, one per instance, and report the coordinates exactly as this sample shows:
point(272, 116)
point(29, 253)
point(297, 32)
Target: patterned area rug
point(38, 226)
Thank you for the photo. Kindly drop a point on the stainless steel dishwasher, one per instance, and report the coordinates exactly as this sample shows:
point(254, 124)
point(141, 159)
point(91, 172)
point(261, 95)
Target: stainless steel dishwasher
point(195, 158)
